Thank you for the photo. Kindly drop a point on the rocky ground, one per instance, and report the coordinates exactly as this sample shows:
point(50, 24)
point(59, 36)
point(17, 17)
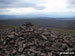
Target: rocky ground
point(30, 40)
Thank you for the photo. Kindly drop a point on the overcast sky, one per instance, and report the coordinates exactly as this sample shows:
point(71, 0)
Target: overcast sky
point(36, 6)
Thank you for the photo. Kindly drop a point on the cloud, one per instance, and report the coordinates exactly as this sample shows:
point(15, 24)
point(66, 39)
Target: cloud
point(71, 4)
point(22, 4)
point(39, 7)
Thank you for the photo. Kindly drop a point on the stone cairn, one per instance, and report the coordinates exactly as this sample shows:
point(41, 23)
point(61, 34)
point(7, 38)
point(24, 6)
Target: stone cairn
point(30, 40)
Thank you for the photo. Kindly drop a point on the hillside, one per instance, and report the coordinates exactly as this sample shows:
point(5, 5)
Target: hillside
point(52, 23)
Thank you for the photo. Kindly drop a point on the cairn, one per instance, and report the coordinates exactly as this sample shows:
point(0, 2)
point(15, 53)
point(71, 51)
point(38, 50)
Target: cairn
point(30, 40)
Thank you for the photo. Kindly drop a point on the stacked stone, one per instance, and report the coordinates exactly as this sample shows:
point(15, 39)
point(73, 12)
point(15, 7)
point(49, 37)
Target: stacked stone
point(29, 40)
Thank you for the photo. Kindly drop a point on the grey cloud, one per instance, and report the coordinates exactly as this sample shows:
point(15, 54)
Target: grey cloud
point(39, 7)
point(20, 3)
point(71, 3)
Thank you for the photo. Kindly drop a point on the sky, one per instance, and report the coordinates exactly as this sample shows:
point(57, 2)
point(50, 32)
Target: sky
point(21, 7)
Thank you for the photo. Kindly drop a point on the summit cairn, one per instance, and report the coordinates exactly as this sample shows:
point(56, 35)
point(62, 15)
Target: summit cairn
point(30, 40)
point(27, 24)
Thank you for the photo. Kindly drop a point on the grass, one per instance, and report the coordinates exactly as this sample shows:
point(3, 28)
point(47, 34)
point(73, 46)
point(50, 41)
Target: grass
point(6, 26)
point(65, 31)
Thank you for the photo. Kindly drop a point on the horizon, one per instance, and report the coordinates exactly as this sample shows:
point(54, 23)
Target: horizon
point(40, 15)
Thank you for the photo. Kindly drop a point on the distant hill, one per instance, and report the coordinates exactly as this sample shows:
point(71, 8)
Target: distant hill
point(37, 16)
point(52, 23)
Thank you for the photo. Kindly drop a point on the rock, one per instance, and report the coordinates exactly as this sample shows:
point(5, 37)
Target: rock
point(20, 49)
point(30, 40)
point(11, 36)
point(34, 51)
point(27, 24)
point(64, 47)
point(23, 55)
point(49, 54)
point(44, 37)
point(14, 51)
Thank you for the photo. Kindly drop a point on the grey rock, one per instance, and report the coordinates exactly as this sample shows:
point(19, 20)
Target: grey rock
point(30, 40)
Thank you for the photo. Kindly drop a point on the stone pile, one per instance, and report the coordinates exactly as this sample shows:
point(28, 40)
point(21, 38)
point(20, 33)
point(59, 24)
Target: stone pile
point(29, 40)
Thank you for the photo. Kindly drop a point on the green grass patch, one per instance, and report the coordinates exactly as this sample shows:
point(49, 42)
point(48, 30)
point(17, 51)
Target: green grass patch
point(65, 31)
